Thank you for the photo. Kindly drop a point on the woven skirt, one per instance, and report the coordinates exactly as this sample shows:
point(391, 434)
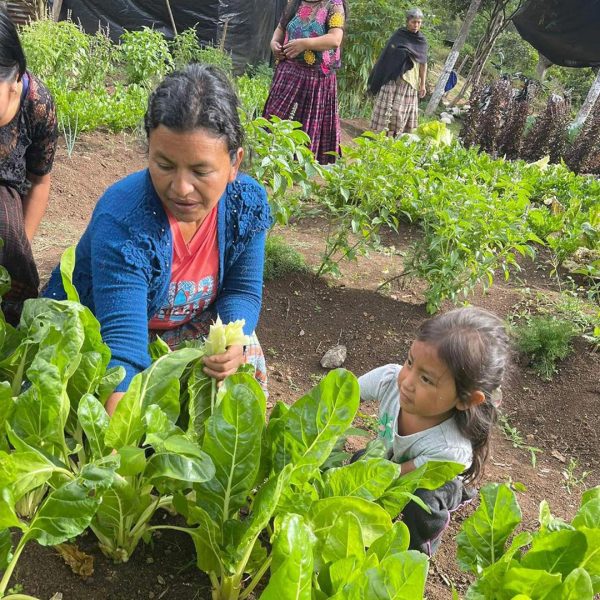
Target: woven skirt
point(16, 255)
point(198, 328)
point(396, 108)
point(308, 95)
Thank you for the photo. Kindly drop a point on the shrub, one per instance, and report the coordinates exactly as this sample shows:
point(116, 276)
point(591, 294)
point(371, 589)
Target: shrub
point(57, 51)
point(145, 55)
point(281, 259)
point(545, 340)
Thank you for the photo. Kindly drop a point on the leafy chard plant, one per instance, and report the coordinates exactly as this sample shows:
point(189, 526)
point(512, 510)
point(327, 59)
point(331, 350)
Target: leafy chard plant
point(57, 384)
point(62, 515)
point(559, 561)
point(331, 533)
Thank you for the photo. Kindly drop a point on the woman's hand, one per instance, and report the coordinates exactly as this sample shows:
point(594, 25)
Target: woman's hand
point(295, 47)
point(277, 50)
point(422, 91)
point(220, 366)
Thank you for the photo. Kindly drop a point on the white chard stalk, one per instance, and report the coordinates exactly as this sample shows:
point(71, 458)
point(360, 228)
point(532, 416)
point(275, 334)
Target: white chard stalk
point(221, 336)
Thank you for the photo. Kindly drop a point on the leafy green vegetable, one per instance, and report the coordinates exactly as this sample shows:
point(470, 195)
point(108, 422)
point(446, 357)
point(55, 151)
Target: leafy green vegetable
point(560, 561)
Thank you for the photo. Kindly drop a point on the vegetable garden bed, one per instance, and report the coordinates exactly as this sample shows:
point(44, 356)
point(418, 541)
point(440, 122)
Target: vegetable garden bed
point(300, 320)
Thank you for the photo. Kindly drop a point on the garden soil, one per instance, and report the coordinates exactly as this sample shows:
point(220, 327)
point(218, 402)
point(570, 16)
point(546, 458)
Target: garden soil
point(303, 317)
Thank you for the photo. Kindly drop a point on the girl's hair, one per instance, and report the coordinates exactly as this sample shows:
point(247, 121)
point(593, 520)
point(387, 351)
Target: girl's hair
point(475, 346)
point(12, 58)
point(292, 8)
point(197, 97)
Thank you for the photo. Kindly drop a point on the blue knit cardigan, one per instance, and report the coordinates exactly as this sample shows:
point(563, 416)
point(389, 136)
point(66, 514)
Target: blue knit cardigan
point(124, 259)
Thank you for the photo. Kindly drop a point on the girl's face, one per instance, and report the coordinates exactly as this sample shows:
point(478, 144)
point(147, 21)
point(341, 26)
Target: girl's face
point(427, 388)
point(190, 171)
point(414, 24)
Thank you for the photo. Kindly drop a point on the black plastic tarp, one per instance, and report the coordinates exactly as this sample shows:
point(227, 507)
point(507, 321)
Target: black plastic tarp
point(567, 32)
point(248, 24)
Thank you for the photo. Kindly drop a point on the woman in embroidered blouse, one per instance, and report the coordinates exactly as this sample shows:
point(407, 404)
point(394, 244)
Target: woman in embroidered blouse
point(27, 146)
point(170, 247)
point(306, 44)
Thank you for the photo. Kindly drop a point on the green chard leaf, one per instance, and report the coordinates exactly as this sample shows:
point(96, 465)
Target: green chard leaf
point(484, 534)
point(292, 565)
point(159, 385)
point(94, 422)
point(364, 479)
point(5, 548)
point(233, 442)
point(556, 552)
point(308, 431)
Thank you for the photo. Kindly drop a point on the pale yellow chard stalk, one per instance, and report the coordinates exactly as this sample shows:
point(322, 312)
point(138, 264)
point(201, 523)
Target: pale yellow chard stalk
point(219, 338)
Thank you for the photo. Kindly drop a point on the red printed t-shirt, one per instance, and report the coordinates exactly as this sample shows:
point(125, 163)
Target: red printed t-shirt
point(194, 274)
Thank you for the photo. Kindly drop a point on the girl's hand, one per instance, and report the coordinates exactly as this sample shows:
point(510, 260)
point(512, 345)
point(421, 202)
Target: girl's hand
point(220, 366)
point(295, 47)
point(277, 50)
point(422, 91)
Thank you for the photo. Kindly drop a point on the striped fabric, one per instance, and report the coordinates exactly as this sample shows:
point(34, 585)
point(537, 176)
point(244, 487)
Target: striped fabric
point(396, 108)
point(308, 95)
point(16, 255)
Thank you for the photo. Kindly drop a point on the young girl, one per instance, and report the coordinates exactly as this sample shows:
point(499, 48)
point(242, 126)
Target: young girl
point(441, 405)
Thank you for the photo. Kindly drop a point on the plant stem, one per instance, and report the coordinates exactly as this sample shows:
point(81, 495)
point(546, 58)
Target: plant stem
point(144, 518)
point(394, 278)
point(256, 579)
point(16, 383)
point(19, 597)
point(11, 566)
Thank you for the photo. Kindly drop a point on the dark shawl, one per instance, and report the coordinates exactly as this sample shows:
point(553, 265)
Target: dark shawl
point(402, 50)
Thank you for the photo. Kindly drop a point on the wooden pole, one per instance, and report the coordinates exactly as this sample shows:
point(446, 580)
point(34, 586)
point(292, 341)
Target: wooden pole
point(171, 17)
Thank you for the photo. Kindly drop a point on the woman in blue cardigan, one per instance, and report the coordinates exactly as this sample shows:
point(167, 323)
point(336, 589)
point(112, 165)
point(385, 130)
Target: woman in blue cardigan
point(171, 247)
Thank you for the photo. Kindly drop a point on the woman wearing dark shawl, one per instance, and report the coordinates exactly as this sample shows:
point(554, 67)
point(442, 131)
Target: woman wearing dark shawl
point(398, 78)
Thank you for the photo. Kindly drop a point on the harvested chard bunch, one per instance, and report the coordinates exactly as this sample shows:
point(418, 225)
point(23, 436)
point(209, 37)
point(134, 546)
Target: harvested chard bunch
point(221, 336)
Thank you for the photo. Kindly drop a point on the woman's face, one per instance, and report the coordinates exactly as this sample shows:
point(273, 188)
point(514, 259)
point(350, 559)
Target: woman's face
point(414, 25)
point(190, 171)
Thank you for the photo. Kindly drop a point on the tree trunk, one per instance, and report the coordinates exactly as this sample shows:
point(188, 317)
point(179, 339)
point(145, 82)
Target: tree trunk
point(484, 49)
point(451, 60)
point(56, 9)
point(542, 66)
point(588, 104)
point(497, 23)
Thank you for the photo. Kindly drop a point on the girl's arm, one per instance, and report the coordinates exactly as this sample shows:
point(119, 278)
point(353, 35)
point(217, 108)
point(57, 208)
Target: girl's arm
point(407, 467)
point(422, 79)
point(35, 202)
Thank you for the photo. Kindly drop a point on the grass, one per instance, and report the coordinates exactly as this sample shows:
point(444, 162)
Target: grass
point(545, 340)
point(281, 259)
point(513, 435)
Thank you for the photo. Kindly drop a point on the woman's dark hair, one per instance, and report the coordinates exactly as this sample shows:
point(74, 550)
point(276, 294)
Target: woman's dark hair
point(292, 8)
point(197, 97)
point(473, 343)
point(12, 58)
